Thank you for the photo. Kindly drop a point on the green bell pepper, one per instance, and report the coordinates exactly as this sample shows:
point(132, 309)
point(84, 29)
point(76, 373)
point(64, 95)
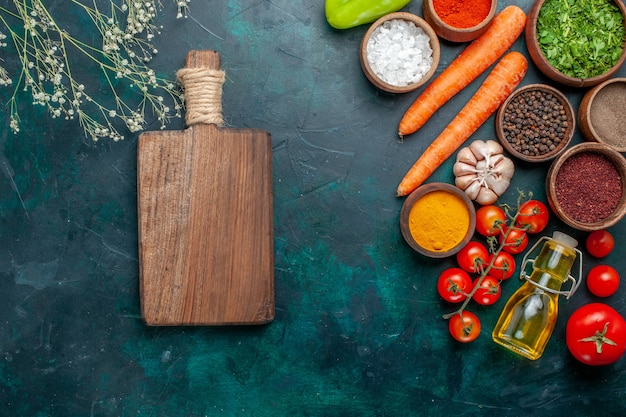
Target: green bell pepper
point(345, 14)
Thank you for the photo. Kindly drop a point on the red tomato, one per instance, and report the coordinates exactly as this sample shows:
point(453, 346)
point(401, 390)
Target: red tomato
point(503, 266)
point(603, 280)
point(600, 243)
point(516, 240)
point(489, 219)
point(454, 284)
point(596, 334)
point(473, 257)
point(464, 327)
point(533, 216)
point(488, 292)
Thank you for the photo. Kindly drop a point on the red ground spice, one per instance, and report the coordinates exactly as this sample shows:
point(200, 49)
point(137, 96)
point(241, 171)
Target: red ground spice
point(462, 13)
point(588, 187)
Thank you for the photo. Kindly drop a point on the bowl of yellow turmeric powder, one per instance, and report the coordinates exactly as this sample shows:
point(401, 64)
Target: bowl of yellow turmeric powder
point(437, 219)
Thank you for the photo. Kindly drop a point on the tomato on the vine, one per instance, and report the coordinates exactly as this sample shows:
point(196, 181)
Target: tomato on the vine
point(464, 327)
point(454, 284)
point(596, 334)
point(515, 242)
point(473, 256)
point(489, 220)
point(533, 216)
point(488, 292)
point(503, 265)
point(600, 243)
point(603, 280)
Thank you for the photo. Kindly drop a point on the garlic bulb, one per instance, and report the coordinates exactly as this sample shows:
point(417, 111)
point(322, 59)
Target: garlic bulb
point(482, 171)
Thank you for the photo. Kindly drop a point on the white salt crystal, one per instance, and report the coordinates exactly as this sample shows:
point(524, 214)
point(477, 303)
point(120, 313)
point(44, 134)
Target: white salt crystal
point(399, 52)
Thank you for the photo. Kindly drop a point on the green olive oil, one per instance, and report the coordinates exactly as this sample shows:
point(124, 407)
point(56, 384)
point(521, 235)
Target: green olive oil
point(528, 318)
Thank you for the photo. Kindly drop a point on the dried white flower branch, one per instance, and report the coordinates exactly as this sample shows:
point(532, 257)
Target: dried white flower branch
point(47, 53)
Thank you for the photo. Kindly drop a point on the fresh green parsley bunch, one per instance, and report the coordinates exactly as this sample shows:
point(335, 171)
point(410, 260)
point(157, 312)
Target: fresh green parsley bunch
point(46, 57)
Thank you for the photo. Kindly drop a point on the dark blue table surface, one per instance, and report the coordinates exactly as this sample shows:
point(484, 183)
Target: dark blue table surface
point(358, 328)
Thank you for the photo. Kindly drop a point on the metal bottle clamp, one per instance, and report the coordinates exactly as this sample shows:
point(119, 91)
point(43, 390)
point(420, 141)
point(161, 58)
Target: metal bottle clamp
point(575, 283)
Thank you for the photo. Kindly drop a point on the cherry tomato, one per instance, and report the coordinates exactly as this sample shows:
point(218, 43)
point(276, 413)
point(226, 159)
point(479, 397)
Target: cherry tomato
point(473, 256)
point(533, 216)
point(600, 243)
point(596, 334)
point(516, 240)
point(602, 280)
point(489, 219)
point(454, 284)
point(503, 266)
point(488, 292)
point(464, 327)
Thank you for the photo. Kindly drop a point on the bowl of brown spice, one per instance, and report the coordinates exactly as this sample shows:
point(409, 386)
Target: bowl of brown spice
point(601, 114)
point(535, 123)
point(459, 21)
point(586, 186)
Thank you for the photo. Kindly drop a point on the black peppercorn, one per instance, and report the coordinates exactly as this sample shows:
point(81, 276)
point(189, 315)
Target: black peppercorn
point(534, 122)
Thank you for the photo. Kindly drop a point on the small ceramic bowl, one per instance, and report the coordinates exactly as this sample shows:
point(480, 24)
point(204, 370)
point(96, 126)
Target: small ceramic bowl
point(601, 114)
point(548, 143)
point(423, 211)
point(453, 33)
point(582, 193)
point(551, 72)
point(368, 67)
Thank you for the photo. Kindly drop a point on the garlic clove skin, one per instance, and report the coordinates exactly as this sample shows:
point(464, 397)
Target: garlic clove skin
point(497, 184)
point(479, 149)
point(486, 196)
point(473, 189)
point(467, 156)
point(465, 181)
point(463, 168)
point(493, 148)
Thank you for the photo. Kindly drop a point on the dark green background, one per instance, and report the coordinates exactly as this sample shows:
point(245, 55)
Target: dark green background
point(358, 328)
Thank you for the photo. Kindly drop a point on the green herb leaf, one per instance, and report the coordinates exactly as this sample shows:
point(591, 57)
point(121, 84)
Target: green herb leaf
point(581, 38)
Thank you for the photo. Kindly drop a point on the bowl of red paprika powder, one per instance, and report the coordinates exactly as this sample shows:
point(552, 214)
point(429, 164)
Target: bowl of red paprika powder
point(459, 21)
point(586, 186)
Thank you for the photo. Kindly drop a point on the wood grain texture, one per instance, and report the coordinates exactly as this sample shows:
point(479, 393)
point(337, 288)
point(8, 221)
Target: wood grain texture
point(206, 236)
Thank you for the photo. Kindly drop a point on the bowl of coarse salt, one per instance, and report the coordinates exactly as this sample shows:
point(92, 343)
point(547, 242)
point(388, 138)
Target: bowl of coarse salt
point(399, 52)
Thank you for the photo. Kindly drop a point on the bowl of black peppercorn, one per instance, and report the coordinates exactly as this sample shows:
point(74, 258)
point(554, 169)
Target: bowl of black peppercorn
point(535, 123)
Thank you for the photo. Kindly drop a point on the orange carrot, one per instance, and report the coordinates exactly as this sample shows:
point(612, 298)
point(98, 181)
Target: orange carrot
point(505, 28)
point(501, 82)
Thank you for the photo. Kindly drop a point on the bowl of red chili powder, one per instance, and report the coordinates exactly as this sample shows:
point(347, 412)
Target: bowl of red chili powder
point(586, 186)
point(459, 20)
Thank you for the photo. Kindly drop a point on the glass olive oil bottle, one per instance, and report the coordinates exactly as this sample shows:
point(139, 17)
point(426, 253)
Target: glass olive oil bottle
point(527, 320)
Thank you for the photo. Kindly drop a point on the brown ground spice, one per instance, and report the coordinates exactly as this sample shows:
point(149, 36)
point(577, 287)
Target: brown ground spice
point(607, 114)
point(588, 187)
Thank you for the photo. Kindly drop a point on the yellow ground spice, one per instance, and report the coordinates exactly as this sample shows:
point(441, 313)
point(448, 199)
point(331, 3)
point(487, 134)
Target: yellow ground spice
point(439, 220)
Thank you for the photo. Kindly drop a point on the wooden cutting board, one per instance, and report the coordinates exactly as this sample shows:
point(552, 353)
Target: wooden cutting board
point(206, 237)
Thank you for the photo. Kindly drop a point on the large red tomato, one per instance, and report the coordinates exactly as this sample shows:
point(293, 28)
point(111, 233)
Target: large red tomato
point(596, 334)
